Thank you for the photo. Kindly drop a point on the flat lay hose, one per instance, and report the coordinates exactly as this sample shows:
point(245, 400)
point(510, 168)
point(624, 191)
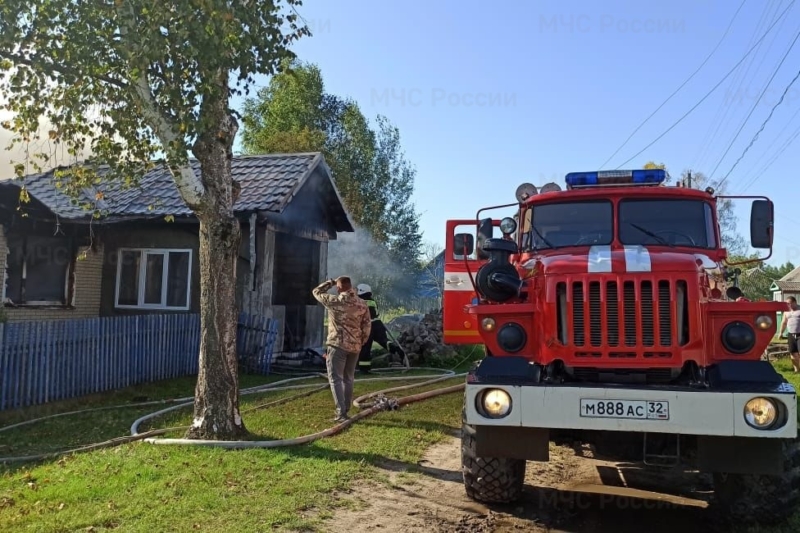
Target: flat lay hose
point(368, 405)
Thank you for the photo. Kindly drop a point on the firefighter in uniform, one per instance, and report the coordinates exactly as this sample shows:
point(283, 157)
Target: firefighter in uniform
point(377, 333)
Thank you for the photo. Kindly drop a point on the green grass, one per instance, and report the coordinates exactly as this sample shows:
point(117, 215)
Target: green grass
point(140, 487)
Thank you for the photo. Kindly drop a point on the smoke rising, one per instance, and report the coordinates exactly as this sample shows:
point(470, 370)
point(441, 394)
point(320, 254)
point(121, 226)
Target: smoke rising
point(365, 260)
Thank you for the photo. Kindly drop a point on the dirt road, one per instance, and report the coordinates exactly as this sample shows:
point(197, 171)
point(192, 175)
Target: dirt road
point(574, 492)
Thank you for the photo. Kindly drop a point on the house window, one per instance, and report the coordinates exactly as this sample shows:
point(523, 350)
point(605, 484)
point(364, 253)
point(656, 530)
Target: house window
point(37, 270)
point(153, 279)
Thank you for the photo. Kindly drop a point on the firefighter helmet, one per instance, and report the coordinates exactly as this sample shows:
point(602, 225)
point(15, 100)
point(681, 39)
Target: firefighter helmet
point(363, 288)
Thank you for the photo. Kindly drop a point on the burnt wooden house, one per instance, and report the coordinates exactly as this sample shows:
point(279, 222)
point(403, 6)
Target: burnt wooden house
point(141, 255)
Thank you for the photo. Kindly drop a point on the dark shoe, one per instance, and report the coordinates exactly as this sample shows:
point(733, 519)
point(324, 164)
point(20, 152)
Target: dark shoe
point(341, 418)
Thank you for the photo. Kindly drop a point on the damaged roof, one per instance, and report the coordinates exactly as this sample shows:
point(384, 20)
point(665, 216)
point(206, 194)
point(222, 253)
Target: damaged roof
point(268, 183)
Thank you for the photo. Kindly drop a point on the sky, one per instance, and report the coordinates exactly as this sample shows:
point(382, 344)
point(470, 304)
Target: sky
point(489, 96)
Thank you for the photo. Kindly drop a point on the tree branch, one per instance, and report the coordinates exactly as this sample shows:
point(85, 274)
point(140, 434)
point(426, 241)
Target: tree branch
point(189, 184)
point(53, 69)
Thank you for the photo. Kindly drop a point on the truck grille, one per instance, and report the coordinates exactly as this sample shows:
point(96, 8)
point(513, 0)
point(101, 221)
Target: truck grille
point(623, 316)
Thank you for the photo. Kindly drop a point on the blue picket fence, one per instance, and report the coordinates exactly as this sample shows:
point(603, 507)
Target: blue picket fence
point(42, 362)
point(256, 343)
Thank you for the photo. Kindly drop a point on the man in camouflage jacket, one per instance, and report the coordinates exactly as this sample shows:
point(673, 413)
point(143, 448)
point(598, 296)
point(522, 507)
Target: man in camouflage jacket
point(349, 326)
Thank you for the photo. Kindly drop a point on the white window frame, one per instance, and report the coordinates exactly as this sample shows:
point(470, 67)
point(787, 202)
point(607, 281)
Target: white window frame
point(143, 253)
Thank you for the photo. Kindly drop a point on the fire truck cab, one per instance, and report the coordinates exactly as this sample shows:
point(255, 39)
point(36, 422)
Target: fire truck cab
point(608, 311)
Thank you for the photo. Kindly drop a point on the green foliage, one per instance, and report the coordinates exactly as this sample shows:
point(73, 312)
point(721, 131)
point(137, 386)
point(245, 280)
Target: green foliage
point(376, 181)
point(757, 277)
point(395, 185)
point(127, 80)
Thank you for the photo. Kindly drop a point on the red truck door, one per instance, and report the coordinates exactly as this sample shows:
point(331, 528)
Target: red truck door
point(458, 291)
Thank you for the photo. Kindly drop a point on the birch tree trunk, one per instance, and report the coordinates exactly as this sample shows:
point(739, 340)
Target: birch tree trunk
point(216, 408)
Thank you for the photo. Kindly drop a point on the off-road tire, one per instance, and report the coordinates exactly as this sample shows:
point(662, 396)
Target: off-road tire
point(760, 499)
point(489, 479)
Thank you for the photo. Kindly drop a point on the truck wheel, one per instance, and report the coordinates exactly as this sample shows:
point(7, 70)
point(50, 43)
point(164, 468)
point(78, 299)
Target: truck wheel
point(761, 499)
point(489, 479)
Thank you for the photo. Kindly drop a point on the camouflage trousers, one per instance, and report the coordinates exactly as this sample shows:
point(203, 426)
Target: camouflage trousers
point(341, 375)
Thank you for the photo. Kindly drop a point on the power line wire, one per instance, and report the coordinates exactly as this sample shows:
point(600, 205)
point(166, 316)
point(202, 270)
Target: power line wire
point(755, 137)
point(764, 19)
point(775, 158)
point(776, 155)
point(713, 89)
point(752, 109)
point(679, 88)
point(737, 81)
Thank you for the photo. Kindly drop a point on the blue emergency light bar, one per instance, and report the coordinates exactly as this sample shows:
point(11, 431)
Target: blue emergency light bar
point(655, 176)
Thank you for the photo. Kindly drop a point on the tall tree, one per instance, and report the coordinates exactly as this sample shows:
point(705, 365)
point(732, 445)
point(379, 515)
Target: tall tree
point(139, 78)
point(394, 185)
point(731, 238)
point(295, 113)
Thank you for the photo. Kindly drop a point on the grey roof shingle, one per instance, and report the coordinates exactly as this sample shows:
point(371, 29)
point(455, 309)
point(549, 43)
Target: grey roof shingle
point(268, 183)
point(790, 282)
point(790, 286)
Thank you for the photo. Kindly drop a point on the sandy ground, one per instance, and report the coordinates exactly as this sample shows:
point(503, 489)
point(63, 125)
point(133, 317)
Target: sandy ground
point(574, 492)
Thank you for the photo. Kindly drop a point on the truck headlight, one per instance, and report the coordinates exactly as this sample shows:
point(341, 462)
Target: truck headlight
point(495, 403)
point(760, 413)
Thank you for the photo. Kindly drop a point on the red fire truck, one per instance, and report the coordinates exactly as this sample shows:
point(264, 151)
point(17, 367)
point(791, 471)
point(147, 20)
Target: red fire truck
point(608, 311)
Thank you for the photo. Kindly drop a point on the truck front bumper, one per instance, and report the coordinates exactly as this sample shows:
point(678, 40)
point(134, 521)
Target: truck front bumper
point(646, 409)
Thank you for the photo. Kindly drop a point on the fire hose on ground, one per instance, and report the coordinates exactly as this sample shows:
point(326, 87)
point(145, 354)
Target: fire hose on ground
point(368, 404)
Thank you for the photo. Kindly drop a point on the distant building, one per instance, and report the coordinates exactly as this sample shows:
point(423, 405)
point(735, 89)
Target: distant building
point(430, 286)
point(788, 285)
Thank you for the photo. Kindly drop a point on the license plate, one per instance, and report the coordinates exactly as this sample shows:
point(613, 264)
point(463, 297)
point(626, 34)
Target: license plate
point(634, 409)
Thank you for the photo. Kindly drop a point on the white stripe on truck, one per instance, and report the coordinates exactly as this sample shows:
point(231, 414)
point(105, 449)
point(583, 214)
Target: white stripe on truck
point(637, 259)
point(599, 259)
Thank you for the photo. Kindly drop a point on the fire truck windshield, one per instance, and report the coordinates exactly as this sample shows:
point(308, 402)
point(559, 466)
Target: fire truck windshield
point(642, 221)
point(673, 222)
point(557, 225)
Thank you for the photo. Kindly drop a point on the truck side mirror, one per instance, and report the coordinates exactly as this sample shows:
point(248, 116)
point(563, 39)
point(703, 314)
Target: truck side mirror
point(761, 224)
point(463, 244)
point(485, 232)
